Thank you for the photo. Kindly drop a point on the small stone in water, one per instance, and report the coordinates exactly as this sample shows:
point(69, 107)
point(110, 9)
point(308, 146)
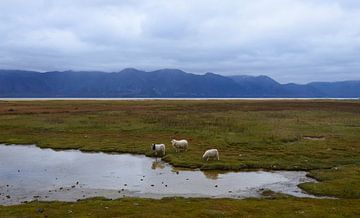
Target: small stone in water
point(125, 184)
point(152, 185)
point(216, 186)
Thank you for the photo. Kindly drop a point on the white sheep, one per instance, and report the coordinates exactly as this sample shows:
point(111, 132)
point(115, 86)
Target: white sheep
point(180, 144)
point(211, 153)
point(158, 148)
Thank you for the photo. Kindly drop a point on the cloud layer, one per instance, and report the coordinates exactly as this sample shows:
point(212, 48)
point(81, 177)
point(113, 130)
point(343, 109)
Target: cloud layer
point(289, 40)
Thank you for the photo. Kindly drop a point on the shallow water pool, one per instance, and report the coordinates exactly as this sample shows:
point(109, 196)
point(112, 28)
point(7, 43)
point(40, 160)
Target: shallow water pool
point(29, 172)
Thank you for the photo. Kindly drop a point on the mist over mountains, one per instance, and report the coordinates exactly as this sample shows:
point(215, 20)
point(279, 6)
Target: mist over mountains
point(165, 83)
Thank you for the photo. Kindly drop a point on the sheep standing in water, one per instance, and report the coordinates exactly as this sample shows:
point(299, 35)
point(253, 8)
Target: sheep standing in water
point(211, 153)
point(158, 148)
point(180, 144)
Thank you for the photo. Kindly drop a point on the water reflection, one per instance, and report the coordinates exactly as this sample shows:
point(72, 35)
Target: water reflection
point(28, 173)
point(157, 164)
point(211, 174)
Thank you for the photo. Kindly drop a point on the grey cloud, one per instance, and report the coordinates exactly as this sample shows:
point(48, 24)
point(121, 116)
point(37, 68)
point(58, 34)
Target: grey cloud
point(290, 40)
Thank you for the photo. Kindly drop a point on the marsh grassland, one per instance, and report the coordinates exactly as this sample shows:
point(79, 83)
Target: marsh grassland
point(320, 136)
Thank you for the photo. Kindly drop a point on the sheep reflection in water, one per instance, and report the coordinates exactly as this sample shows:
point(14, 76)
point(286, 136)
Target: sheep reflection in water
point(157, 165)
point(210, 174)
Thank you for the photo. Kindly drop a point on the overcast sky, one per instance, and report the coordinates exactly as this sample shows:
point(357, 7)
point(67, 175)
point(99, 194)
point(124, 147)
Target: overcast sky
point(289, 40)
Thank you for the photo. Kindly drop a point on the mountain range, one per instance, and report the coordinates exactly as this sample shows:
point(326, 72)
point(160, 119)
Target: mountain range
point(165, 83)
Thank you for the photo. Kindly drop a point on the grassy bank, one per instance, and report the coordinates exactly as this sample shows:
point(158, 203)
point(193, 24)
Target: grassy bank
point(248, 134)
point(320, 136)
point(342, 181)
point(174, 207)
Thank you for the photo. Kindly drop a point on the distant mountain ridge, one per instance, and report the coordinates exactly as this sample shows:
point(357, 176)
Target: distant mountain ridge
point(165, 83)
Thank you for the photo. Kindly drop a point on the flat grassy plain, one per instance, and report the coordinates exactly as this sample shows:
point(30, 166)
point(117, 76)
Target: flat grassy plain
point(182, 207)
point(321, 136)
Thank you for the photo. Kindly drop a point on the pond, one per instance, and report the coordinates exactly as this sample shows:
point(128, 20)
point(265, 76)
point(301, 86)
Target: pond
point(28, 173)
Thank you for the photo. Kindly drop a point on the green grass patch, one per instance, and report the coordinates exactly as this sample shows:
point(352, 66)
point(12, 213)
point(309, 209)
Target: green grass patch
point(175, 207)
point(341, 181)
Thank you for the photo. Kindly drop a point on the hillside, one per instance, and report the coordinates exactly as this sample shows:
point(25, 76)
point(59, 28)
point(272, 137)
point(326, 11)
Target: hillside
point(160, 83)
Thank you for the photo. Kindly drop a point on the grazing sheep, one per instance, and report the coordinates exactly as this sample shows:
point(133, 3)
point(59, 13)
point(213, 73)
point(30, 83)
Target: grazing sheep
point(158, 148)
point(211, 153)
point(180, 144)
